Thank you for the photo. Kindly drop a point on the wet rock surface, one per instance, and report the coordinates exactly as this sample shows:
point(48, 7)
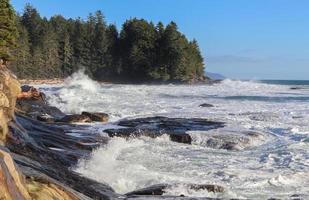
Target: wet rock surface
point(234, 141)
point(96, 117)
point(206, 105)
point(47, 151)
point(153, 127)
point(160, 189)
point(45, 148)
point(32, 103)
point(37, 108)
point(75, 119)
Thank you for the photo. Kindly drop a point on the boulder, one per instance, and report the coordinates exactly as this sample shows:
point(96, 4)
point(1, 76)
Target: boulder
point(208, 187)
point(75, 118)
point(296, 88)
point(206, 105)
point(30, 92)
point(181, 138)
point(134, 133)
point(96, 117)
point(154, 127)
point(152, 190)
point(160, 189)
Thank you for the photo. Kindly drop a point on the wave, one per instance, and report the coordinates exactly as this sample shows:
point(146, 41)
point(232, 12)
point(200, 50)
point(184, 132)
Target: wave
point(126, 165)
point(74, 95)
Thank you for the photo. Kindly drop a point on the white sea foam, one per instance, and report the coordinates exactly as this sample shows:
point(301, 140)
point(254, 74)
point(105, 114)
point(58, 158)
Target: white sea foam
point(275, 163)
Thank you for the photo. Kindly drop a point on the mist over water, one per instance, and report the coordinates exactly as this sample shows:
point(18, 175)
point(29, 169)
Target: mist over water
point(274, 164)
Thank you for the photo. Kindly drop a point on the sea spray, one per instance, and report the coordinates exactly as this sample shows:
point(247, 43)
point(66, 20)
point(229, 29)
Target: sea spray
point(258, 170)
point(75, 94)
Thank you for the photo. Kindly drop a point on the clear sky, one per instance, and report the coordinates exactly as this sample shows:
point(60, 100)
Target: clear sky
point(246, 39)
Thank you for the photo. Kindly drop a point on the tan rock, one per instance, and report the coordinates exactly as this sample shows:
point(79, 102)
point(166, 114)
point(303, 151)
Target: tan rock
point(9, 90)
point(47, 191)
point(12, 183)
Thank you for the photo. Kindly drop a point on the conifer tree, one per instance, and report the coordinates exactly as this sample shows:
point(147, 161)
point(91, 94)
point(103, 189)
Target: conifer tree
point(8, 30)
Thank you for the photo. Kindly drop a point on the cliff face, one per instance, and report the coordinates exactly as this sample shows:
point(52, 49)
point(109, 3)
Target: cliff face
point(9, 90)
point(13, 184)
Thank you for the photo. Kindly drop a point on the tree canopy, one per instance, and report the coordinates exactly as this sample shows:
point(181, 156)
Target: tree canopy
point(8, 30)
point(141, 51)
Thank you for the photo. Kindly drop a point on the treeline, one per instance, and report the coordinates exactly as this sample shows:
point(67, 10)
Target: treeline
point(141, 51)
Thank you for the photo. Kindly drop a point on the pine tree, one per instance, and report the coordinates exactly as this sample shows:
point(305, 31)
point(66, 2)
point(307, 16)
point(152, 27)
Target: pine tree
point(112, 57)
point(99, 46)
point(8, 30)
point(78, 38)
point(33, 23)
point(22, 62)
point(66, 55)
point(137, 43)
point(140, 52)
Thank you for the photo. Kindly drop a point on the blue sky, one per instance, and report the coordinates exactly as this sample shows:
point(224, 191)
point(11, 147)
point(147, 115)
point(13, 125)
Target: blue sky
point(245, 39)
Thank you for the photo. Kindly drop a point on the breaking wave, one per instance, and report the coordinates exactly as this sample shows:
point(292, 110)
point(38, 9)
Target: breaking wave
point(270, 158)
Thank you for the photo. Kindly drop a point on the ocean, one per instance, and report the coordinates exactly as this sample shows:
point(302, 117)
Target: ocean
point(273, 163)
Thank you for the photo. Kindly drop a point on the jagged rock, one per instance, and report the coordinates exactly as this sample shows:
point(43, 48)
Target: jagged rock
point(172, 125)
point(12, 183)
point(46, 118)
point(49, 151)
point(30, 92)
point(154, 127)
point(152, 190)
point(206, 105)
point(208, 187)
point(76, 118)
point(230, 140)
point(160, 189)
point(132, 132)
point(96, 117)
point(35, 108)
point(181, 138)
point(9, 90)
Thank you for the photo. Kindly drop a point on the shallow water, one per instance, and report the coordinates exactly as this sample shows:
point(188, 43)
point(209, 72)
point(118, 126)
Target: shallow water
point(275, 164)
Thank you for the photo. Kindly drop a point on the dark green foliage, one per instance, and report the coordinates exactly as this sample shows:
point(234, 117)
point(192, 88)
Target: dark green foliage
point(137, 45)
point(8, 30)
point(140, 52)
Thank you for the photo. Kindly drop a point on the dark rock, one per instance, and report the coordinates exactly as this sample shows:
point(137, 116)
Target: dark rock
point(296, 88)
point(76, 118)
point(46, 118)
point(172, 125)
point(132, 132)
point(181, 138)
point(26, 88)
point(154, 127)
point(296, 197)
point(152, 190)
point(209, 188)
point(35, 108)
point(231, 140)
point(160, 189)
point(96, 117)
point(206, 105)
point(44, 150)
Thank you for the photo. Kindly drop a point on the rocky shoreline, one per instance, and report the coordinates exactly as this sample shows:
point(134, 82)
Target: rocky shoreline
point(41, 146)
point(38, 152)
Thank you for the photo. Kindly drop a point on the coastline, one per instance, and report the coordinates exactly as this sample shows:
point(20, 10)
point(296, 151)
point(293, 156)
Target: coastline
point(41, 81)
